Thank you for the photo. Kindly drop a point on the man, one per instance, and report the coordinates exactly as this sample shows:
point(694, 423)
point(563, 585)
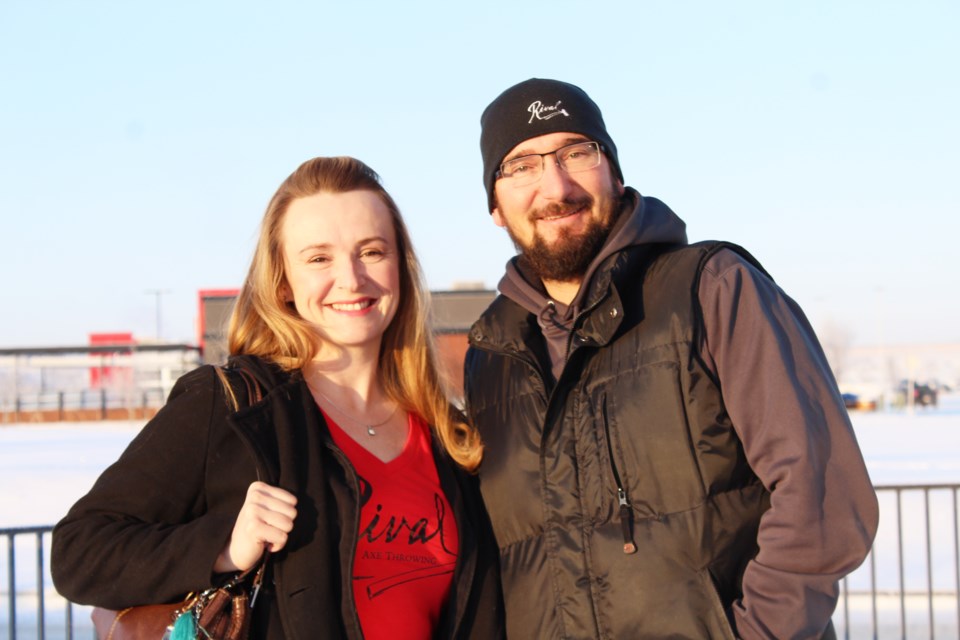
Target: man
point(667, 453)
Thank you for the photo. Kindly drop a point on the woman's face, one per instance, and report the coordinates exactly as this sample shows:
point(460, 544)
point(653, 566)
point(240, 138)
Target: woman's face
point(342, 266)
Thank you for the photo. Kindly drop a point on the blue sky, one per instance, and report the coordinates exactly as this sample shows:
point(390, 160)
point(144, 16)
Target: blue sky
point(141, 141)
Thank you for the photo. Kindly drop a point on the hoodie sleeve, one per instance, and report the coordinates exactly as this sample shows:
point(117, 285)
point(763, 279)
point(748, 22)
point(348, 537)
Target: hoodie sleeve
point(783, 400)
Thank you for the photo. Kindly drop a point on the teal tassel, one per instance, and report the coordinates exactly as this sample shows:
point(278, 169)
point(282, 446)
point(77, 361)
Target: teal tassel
point(185, 628)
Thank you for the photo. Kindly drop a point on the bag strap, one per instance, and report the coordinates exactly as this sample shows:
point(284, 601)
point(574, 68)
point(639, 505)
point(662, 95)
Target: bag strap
point(254, 395)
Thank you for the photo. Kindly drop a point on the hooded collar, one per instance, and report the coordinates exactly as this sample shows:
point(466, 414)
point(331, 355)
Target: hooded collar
point(645, 221)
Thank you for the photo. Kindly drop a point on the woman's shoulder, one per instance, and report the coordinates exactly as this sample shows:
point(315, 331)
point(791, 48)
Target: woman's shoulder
point(196, 381)
point(265, 372)
point(195, 394)
point(238, 372)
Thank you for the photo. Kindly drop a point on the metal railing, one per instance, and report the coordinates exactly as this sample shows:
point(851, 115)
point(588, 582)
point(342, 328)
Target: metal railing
point(29, 596)
point(96, 382)
point(907, 588)
point(82, 404)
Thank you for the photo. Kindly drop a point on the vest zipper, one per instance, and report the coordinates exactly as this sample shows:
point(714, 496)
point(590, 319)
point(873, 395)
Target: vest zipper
point(626, 513)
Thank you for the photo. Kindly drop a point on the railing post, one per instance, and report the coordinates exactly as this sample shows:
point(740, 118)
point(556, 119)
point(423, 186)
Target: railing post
point(68, 619)
point(41, 615)
point(873, 592)
point(926, 513)
point(956, 556)
point(12, 586)
point(846, 608)
point(903, 589)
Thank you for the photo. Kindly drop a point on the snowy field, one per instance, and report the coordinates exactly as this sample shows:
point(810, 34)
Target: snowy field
point(44, 468)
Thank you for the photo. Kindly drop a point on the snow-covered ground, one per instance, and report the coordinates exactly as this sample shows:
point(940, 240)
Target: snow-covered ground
point(44, 468)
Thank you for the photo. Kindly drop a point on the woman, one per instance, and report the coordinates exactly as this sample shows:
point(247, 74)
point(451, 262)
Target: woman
point(372, 521)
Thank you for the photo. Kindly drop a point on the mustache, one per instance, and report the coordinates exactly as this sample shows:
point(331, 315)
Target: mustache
point(562, 208)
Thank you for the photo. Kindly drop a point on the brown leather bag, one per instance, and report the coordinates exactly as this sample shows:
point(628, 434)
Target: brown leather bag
point(146, 622)
point(222, 613)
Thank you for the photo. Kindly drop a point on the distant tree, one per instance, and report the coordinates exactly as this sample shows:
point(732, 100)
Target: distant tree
point(836, 341)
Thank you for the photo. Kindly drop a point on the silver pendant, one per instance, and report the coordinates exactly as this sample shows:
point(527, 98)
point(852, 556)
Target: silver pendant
point(370, 431)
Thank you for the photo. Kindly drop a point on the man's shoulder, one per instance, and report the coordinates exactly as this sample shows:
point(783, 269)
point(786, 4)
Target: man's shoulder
point(722, 258)
point(673, 260)
point(504, 325)
point(500, 309)
point(712, 256)
point(707, 249)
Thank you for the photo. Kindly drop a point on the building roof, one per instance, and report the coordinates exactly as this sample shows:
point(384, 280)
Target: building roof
point(456, 311)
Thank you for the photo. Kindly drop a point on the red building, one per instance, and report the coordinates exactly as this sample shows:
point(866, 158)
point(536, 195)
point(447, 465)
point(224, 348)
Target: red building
point(110, 374)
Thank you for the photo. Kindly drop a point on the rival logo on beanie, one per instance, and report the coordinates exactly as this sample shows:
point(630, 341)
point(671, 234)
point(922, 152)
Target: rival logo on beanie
point(540, 111)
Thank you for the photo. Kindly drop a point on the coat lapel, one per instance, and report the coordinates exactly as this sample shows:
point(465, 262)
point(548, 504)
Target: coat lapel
point(285, 433)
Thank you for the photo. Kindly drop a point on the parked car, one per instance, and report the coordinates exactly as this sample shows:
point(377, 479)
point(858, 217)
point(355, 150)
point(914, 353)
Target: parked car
point(853, 401)
point(924, 394)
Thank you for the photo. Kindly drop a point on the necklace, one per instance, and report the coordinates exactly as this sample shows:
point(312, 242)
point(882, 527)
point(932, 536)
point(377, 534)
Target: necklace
point(371, 428)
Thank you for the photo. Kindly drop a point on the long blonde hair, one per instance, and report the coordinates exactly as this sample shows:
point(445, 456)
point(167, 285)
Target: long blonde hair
point(265, 325)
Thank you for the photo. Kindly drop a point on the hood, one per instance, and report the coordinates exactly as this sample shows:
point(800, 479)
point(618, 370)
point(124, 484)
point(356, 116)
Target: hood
point(647, 221)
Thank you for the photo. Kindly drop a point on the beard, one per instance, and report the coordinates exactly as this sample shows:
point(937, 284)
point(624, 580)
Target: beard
point(568, 257)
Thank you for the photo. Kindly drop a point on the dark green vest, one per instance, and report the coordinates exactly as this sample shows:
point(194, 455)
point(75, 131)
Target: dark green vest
point(636, 410)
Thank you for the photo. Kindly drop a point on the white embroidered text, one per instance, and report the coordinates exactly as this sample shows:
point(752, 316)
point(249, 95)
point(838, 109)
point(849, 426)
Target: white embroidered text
point(541, 111)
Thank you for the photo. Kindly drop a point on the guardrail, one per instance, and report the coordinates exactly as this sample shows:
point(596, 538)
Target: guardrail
point(34, 621)
point(81, 405)
point(90, 382)
point(907, 588)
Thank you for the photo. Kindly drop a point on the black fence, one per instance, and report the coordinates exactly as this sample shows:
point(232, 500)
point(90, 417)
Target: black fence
point(29, 598)
point(907, 588)
point(82, 404)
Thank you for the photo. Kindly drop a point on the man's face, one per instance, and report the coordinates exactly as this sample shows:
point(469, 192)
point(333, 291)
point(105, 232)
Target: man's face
point(560, 222)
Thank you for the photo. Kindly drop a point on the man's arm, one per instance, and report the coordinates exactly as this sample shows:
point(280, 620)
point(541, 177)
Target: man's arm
point(784, 403)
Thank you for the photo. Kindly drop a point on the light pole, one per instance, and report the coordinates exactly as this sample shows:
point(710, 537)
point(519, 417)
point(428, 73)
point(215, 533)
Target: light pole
point(158, 293)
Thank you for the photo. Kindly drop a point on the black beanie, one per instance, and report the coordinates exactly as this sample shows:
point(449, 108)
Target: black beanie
point(533, 108)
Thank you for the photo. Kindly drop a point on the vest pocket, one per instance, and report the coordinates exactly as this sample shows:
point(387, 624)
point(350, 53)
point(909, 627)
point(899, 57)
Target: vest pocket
point(624, 508)
point(644, 428)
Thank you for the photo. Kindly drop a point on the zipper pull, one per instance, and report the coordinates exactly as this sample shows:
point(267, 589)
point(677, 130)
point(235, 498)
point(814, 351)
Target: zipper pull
point(626, 522)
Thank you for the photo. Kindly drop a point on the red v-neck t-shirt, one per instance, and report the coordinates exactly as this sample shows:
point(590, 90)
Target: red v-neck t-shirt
point(408, 542)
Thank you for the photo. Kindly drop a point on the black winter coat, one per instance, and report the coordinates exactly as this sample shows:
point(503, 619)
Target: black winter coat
point(152, 526)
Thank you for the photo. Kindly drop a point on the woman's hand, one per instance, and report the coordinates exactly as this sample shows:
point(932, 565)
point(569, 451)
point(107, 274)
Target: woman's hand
point(263, 523)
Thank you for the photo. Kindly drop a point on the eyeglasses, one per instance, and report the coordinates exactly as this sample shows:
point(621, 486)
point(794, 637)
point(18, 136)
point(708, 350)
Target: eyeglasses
point(580, 156)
